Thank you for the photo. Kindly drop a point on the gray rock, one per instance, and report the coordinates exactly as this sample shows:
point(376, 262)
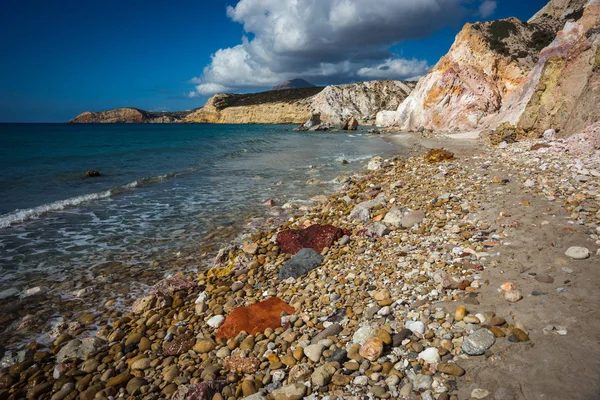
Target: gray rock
point(375, 164)
point(301, 263)
point(413, 218)
point(550, 135)
point(322, 375)
point(340, 355)
point(314, 351)
point(294, 391)
point(255, 396)
point(376, 229)
point(422, 382)
point(394, 217)
point(79, 349)
point(360, 213)
point(363, 334)
point(372, 311)
point(478, 342)
point(10, 292)
point(577, 253)
point(331, 330)
point(416, 327)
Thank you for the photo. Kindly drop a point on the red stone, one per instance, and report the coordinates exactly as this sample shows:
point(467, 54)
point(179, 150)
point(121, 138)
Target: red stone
point(254, 318)
point(316, 237)
point(180, 344)
point(171, 285)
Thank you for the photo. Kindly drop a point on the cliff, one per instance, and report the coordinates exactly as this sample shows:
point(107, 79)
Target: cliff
point(562, 91)
point(335, 104)
point(128, 116)
point(362, 100)
point(286, 106)
point(526, 73)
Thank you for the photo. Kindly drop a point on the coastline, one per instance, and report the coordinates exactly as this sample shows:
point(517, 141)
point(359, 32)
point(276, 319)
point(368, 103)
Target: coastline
point(478, 232)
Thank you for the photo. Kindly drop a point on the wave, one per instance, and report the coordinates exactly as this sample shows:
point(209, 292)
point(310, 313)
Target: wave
point(19, 216)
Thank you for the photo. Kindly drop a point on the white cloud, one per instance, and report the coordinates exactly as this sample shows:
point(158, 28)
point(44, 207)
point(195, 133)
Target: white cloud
point(395, 69)
point(487, 8)
point(324, 41)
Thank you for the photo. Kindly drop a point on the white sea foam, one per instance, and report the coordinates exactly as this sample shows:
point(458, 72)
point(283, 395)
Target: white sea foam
point(19, 216)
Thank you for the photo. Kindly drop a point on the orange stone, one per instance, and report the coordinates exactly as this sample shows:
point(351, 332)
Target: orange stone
point(255, 318)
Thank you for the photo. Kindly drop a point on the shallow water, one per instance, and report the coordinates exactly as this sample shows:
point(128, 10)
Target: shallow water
point(166, 192)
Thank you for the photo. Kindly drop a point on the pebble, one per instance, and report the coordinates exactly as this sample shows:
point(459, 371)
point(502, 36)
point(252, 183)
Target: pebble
point(429, 355)
point(294, 391)
point(512, 295)
point(216, 321)
point(371, 349)
point(314, 351)
point(416, 327)
point(478, 342)
point(322, 375)
point(363, 334)
point(480, 393)
point(460, 313)
point(361, 380)
point(577, 253)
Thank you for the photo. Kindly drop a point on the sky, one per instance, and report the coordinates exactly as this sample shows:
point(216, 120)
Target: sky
point(60, 58)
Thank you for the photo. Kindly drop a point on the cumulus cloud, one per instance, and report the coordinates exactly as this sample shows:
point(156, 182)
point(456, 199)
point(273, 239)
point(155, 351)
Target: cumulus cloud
point(487, 8)
point(324, 41)
point(395, 69)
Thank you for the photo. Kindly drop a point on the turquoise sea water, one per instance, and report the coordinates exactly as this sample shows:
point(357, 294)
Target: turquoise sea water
point(163, 190)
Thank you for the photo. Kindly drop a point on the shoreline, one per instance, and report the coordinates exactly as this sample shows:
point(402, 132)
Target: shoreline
point(90, 299)
point(446, 260)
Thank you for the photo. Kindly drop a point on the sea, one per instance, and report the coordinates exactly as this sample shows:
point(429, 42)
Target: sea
point(167, 197)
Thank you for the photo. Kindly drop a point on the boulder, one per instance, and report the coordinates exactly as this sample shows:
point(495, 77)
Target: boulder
point(360, 213)
point(438, 155)
point(413, 218)
point(315, 119)
point(301, 263)
point(351, 124)
point(315, 237)
point(505, 132)
point(254, 318)
point(375, 163)
point(394, 217)
point(376, 229)
point(550, 135)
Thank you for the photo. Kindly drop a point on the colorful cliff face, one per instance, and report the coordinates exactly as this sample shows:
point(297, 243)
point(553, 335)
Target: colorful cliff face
point(527, 74)
point(563, 89)
point(487, 62)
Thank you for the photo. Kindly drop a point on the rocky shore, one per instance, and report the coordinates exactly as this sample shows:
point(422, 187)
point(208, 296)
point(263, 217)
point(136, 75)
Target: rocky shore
point(469, 273)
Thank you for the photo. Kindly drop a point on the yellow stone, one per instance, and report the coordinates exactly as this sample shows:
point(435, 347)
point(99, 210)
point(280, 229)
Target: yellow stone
point(460, 313)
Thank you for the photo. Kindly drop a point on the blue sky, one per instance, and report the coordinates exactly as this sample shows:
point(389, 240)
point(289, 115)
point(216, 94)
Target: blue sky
point(65, 57)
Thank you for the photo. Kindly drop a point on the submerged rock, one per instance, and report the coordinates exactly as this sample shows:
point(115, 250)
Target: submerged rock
point(351, 124)
point(79, 349)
